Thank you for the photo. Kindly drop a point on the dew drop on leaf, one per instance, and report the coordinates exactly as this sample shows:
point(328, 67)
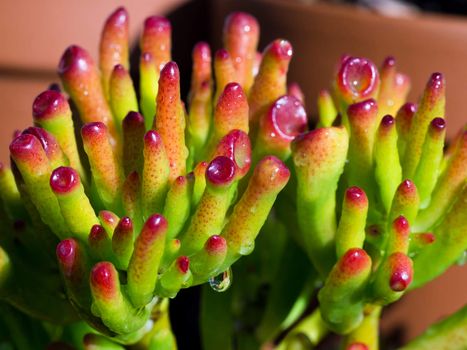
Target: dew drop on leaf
point(222, 281)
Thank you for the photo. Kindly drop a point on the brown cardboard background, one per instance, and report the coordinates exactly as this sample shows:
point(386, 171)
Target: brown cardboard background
point(33, 36)
point(35, 33)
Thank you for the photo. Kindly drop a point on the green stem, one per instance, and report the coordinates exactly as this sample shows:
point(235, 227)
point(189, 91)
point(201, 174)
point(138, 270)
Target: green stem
point(312, 327)
point(290, 292)
point(160, 337)
point(367, 332)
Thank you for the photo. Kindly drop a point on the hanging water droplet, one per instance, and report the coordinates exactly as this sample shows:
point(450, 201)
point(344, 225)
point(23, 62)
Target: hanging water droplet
point(462, 259)
point(222, 281)
point(247, 248)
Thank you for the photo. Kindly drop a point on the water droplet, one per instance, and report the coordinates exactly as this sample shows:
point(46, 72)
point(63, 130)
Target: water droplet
point(247, 248)
point(222, 281)
point(462, 259)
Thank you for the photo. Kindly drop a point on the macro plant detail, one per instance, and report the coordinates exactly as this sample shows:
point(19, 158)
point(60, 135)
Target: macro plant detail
point(388, 217)
point(119, 197)
point(147, 199)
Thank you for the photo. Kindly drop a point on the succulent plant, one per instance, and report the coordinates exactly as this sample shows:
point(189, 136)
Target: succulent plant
point(374, 204)
point(118, 198)
point(380, 208)
point(148, 199)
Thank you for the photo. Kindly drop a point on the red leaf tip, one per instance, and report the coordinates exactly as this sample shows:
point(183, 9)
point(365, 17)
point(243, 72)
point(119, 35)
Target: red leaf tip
point(47, 141)
point(273, 173)
point(401, 224)
point(47, 104)
point(183, 264)
point(438, 124)
point(236, 146)
point(426, 237)
point(357, 346)
point(400, 280)
point(133, 119)
point(119, 69)
point(220, 171)
point(64, 180)
point(216, 244)
point(387, 121)
point(233, 88)
point(125, 223)
point(180, 180)
point(119, 17)
point(281, 49)
point(356, 196)
point(354, 261)
point(74, 58)
point(156, 222)
point(436, 81)
point(66, 251)
point(407, 187)
point(389, 61)
point(170, 72)
point(362, 109)
point(24, 145)
point(157, 23)
point(241, 22)
point(103, 276)
point(97, 233)
point(108, 216)
point(93, 129)
point(409, 108)
point(401, 272)
point(222, 54)
point(357, 78)
point(202, 51)
point(152, 138)
point(288, 117)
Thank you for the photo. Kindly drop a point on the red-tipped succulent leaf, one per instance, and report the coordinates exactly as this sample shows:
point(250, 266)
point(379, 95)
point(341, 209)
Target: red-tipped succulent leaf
point(66, 254)
point(285, 119)
point(64, 180)
point(221, 171)
point(236, 146)
point(401, 272)
point(354, 261)
point(355, 196)
point(104, 280)
point(215, 244)
point(48, 104)
point(183, 264)
point(357, 79)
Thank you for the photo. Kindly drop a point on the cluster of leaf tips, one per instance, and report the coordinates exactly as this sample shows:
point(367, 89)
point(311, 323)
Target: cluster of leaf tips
point(109, 210)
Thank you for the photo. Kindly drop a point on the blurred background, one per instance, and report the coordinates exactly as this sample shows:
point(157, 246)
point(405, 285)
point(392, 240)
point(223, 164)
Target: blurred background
point(424, 36)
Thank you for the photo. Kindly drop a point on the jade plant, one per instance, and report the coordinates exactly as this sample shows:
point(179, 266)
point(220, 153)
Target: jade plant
point(376, 206)
point(380, 208)
point(119, 197)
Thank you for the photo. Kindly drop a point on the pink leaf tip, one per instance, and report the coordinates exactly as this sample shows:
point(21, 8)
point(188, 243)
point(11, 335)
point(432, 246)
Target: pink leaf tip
point(64, 180)
point(48, 103)
point(357, 78)
point(220, 171)
point(183, 264)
